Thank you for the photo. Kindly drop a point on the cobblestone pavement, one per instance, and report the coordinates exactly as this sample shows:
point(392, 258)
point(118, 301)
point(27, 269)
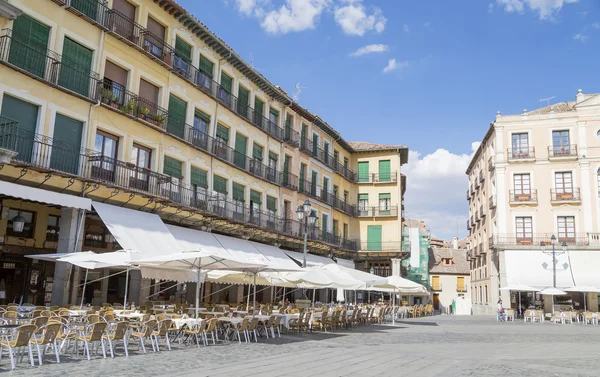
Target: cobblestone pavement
point(433, 346)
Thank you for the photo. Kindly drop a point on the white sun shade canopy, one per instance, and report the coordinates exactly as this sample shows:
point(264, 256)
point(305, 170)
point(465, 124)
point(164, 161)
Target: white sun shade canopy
point(138, 231)
point(44, 196)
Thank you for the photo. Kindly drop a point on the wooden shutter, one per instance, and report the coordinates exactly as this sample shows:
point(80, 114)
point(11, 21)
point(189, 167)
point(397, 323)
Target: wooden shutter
point(117, 74)
point(255, 197)
point(125, 7)
point(384, 171)
point(149, 92)
point(238, 192)
point(243, 96)
point(222, 132)
point(363, 171)
point(271, 204)
point(315, 145)
point(302, 176)
point(460, 283)
point(286, 164)
point(435, 283)
point(303, 136)
point(176, 119)
point(385, 196)
point(259, 106)
point(203, 116)
point(363, 197)
point(226, 82)
point(27, 116)
point(75, 69)
point(273, 156)
point(257, 152)
point(67, 134)
point(183, 50)
point(374, 237)
point(155, 28)
point(240, 150)
point(314, 177)
point(325, 184)
point(88, 8)
point(220, 184)
point(324, 223)
point(288, 126)
point(206, 66)
point(173, 167)
point(29, 44)
point(198, 177)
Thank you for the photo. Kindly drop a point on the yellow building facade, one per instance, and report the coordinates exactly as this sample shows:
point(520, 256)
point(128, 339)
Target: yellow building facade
point(136, 103)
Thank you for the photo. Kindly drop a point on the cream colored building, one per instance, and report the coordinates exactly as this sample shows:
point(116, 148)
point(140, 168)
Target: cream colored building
point(449, 275)
point(138, 104)
point(535, 175)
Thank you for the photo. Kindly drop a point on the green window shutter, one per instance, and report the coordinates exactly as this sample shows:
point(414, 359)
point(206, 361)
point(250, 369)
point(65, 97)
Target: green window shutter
point(314, 177)
point(28, 45)
point(257, 152)
point(274, 116)
point(27, 115)
point(324, 223)
point(363, 171)
point(220, 184)
point(67, 134)
point(384, 171)
point(259, 106)
point(288, 126)
point(255, 197)
point(198, 177)
point(75, 68)
point(183, 50)
point(176, 119)
point(173, 167)
point(374, 237)
point(325, 184)
point(363, 197)
point(271, 204)
point(206, 66)
point(385, 196)
point(222, 132)
point(273, 156)
point(302, 175)
point(238, 192)
point(89, 8)
point(286, 164)
point(315, 146)
point(243, 101)
point(226, 82)
point(303, 136)
point(201, 115)
point(239, 157)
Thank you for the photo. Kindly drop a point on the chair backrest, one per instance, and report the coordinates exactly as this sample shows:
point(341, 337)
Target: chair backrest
point(212, 324)
point(510, 312)
point(40, 321)
point(10, 314)
point(12, 308)
point(97, 329)
point(23, 335)
point(146, 318)
point(271, 321)
point(253, 324)
point(164, 326)
point(120, 329)
point(244, 324)
point(51, 330)
point(92, 318)
point(109, 317)
point(161, 317)
point(277, 321)
point(36, 313)
point(588, 315)
point(148, 327)
point(46, 313)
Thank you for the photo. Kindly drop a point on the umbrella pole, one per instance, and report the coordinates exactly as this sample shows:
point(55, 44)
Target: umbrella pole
point(198, 294)
point(126, 287)
point(394, 308)
point(84, 284)
point(584, 301)
point(254, 295)
point(283, 299)
point(520, 303)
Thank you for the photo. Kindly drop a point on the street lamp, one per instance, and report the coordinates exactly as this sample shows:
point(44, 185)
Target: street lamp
point(304, 212)
point(553, 241)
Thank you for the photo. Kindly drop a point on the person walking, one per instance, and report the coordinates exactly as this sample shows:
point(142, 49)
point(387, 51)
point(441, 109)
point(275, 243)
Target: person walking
point(500, 311)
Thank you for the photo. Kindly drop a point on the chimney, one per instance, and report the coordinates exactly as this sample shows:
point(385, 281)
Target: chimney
point(455, 242)
point(580, 96)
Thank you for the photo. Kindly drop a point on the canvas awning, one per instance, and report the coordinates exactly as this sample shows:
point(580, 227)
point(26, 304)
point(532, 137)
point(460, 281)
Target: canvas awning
point(138, 231)
point(44, 196)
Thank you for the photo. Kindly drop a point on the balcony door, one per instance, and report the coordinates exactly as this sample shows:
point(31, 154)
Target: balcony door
point(520, 145)
point(140, 158)
point(522, 187)
point(566, 228)
point(524, 229)
point(75, 68)
point(123, 23)
point(563, 182)
point(560, 143)
point(104, 164)
point(115, 82)
point(66, 145)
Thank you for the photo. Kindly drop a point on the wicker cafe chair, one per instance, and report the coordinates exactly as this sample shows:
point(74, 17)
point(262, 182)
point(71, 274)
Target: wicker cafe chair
point(251, 330)
point(197, 330)
point(94, 333)
point(118, 333)
point(211, 328)
point(20, 340)
point(145, 333)
point(267, 326)
point(163, 331)
point(48, 337)
point(40, 321)
point(241, 327)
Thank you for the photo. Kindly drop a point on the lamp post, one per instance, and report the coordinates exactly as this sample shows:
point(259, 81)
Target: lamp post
point(304, 212)
point(553, 253)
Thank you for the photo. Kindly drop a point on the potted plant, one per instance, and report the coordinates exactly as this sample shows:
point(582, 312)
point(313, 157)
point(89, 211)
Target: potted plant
point(158, 119)
point(114, 103)
point(142, 112)
point(107, 95)
point(168, 58)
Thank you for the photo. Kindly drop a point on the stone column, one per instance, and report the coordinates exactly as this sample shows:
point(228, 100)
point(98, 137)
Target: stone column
point(70, 224)
point(397, 267)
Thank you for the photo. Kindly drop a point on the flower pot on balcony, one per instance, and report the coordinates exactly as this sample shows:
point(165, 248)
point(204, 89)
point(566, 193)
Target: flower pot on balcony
point(565, 196)
point(524, 197)
point(168, 58)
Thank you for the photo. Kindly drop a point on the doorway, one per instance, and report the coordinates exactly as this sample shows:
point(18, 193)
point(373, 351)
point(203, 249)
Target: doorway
point(436, 301)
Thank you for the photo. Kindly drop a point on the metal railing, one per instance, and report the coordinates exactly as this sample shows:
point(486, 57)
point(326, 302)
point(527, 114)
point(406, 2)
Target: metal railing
point(343, 170)
point(523, 196)
point(558, 151)
point(535, 240)
point(93, 11)
point(132, 33)
point(565, 195)
point(391, 211)
point(307, 146)
point(391, 177)
point(491, 163)
point(520, 153)
point(8, 133)
point(311, 189)
point(16, 51)
point(381, 246)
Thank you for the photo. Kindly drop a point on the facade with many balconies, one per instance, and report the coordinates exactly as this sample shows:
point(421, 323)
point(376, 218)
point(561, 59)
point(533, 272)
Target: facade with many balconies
point(535, 175)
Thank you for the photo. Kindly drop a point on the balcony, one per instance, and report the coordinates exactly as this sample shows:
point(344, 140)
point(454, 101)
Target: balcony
point(521, 154)
point(476, 183)
point(481, 176)
point(472, 221)
point(391, 211)
point(115, 97)
point(491, 163)
point(562, 152)
point(135, 35)
point(565, 196)
point(482, 213)
point(93, 11)
point(534, 240)
point(468, 224)
point(522, 197)
point(395, 246)
point(307, 187)
point(47, 66)
point(307, 146)
point(492, 202)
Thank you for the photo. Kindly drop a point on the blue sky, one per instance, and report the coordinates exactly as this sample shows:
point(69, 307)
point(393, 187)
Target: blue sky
point(455, 63)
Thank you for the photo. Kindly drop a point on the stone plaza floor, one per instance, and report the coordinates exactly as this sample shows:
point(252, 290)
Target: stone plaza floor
point(432, 346)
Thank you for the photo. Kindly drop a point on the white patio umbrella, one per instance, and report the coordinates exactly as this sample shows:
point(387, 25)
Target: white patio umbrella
point(398, 283)
point(322, 277)
point(365, 277)
point(584, 289)
point(519, 288)
point(552, 292)
point(198, 260)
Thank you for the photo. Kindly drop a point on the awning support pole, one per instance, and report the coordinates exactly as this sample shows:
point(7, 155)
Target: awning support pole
point(126, 287)
point(84, 284)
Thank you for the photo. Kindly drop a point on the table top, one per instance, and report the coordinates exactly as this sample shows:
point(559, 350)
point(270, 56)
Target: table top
point(9, 326)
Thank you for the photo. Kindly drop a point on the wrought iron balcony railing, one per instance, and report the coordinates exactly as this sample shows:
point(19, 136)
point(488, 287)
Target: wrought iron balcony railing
point(565, 195)
point(381, 246)
point(93, 11)
point(523, 196)
point(515, 154)
point(311, 189)
point(307, 146)
point(391, 211)
point(562, 151)
point(535, 240)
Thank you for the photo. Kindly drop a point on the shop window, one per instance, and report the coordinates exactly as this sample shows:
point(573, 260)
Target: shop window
point(53, 228)
point(28, 228)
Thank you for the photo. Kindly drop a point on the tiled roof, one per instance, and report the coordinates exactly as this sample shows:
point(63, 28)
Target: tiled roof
point(363, 146)
point(459, 257)
point(561, 107)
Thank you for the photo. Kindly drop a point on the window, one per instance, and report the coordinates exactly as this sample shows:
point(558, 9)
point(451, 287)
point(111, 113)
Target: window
point(563, 182)
point(524, 228)
point(324, 224)
point(560, 143)
point(274, 116)
point(183, 56)
point(303, 136)
point(222, 134)
point(486, 294)
point(384, 171)
point(257, 152)
point(315, 145)
point(336, 228)
point(520, 145)
point(326, 152)
point(226, 88)
point(522, 184)
point(272, 170)
point(141, 159)
point(363, 171)
point(174, 168)
point(201, 125)
point(220, 188)
point(313, 184)
point(289, 121)
point(336, 157)
point(28, 228)
point(76, 67)
point(148, 92)
point(566, 227)
point(385, 204)
point(29, 41)
point(345, 231)
point(271, 205)
point(480, 294)
point(243, 102)
point(205, 74)
point(199, 182)
point(238, 196)
point(104, 167)
point(447, 261)
point(335, 191)
point(363, 202)
point(346, 193)
point(374, 237)
point(239, 157)
point(302, 182)
point(435, 283)
point(53, 228)
point(255, 202)
point(176, 120)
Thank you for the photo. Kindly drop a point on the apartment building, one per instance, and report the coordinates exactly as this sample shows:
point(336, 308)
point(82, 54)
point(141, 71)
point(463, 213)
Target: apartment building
point(450, 276)
point(137, 104)
point(534, 181)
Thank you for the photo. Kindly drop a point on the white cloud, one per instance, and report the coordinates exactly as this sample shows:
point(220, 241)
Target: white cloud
point(393, 65)
point(252, 7)
point(295, 15)
point(596, 25)
point(436, 185)
point(370, 49)
point(406, 28)
point(354, 19)
point(545, 8)
point(580, 37)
